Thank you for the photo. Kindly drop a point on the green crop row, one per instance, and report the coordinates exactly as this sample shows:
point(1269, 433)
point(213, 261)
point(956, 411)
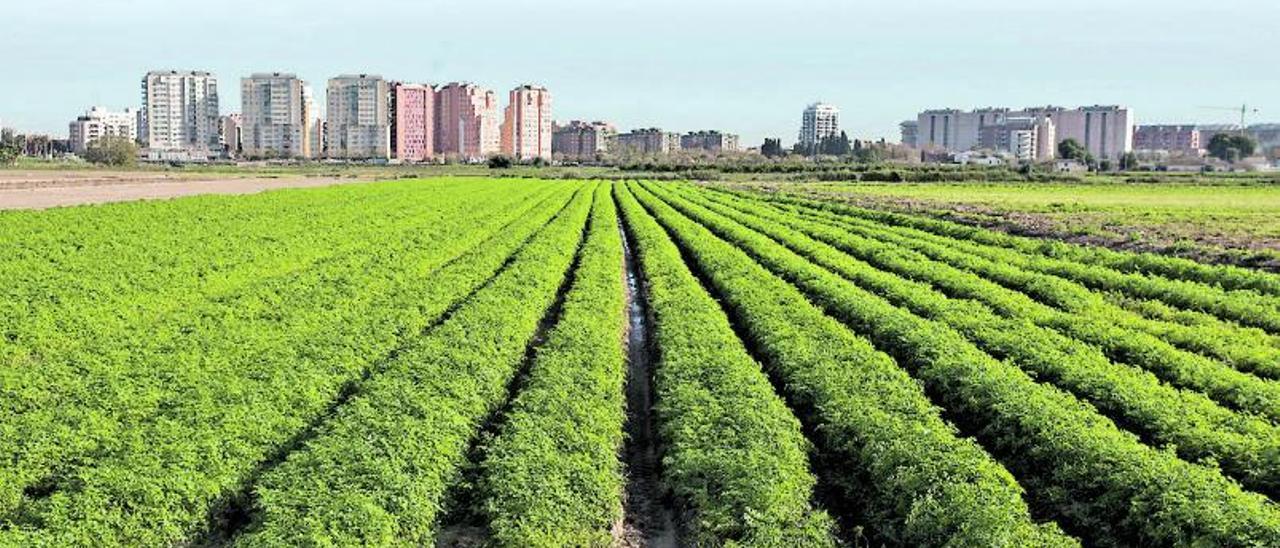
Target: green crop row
point(68, 402)
point(1245, 306)
point(1242, 348)
point(734, 454)
point(1092, 324)
point(378, 473)
point(1225, 276)
point(552, 477)
point(1100, 481)
point(910, 479)
point(236, 396)
point(1248, 448)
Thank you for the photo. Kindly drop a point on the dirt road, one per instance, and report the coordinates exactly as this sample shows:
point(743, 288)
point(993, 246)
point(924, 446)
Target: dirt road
point(43, 189)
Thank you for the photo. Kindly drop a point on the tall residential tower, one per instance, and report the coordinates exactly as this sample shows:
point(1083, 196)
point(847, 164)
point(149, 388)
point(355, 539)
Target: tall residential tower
point(526, 126)
point(818, 122)
point(412, 122)
point(467, 123)
point(180, 112)
point(274, 118)
point(359, 126)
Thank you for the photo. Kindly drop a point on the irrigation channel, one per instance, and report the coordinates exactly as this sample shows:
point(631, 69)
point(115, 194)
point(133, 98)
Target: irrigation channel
point(648, 518)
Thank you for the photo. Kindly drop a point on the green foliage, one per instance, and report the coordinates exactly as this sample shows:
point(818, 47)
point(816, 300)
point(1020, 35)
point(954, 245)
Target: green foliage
point(1124, 337)
point(915, 481)
point(1071, 149)
point(9, 153)
point(221, 349)
point(390, 455)
point(1246, 446)
point(1152, 498)
point(500, 161)
point(112, 151)
point(551, 477)
point(1231, 147)
point(772, 148)
point(735, 455)
point(1129, 162)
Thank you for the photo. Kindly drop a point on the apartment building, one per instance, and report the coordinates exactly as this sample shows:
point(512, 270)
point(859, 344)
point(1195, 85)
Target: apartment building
point(1027, 139)
point(180, 113)
point(910, 130)
point(526, 124)
point(275, 117)
point(319, 144)
point(648, 141)
point(1106, 131)
point(711, 141)
point(954, 129)
point(467, 124)
point(413, 121)
point(582, 140)
point(98, 122)
point(817, 122)
point(231, 135)
point(359, 125)
point(1172, 138)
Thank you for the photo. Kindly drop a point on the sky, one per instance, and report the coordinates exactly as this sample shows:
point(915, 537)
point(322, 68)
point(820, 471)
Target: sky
point(744, 66)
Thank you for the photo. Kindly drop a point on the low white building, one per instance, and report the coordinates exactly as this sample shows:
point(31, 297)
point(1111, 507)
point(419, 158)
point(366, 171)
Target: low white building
point(98, 122)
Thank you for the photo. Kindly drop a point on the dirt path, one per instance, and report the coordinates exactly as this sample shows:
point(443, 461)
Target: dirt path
point(649, 520)
point(45, 189)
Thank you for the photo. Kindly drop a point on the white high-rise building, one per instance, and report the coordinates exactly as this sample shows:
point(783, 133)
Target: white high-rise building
point(99, 122)
point(818, 122)
point(359, 118)
point(180, 112)
point(274, 116)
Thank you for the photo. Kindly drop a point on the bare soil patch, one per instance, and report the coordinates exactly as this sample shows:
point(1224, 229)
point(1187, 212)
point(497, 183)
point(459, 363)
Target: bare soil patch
point(45, 189)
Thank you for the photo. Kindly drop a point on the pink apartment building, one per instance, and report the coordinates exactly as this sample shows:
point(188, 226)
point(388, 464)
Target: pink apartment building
point(466, 121)
point(413, 122)
point(526, 127)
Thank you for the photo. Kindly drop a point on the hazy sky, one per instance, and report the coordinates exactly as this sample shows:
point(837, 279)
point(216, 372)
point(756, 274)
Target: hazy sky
point(744, 66)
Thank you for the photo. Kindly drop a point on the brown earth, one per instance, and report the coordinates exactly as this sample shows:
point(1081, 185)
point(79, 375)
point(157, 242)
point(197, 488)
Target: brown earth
point(44, 189)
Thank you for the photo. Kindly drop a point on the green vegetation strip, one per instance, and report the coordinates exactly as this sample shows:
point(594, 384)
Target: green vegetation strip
point(225, 414)
point(1101, 481)
point(79, 393)
point(552, 476)
point(1225, 276)
point(1247, 349)
point(1247, 447)
point(1245, 306)
point(377, 474)
point(1092, 324)
point(912, 480)
point(734, 454)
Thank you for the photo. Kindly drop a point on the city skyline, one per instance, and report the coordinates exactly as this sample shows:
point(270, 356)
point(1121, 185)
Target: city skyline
point(878, 65)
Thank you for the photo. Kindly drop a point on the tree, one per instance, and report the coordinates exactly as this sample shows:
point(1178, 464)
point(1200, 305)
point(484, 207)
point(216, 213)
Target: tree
point(113, 151)
point(9, 153)
point(772, 148)
point(499, 161)
point(835, 145)
point(1071, 149)
point(1129, 161)
point(1231, 148)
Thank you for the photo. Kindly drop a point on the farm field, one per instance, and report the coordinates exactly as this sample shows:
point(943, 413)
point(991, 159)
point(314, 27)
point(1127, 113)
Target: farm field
point(519, 362)
point(1225, 220)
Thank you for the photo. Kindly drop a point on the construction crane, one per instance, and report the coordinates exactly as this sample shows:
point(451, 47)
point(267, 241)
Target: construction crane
point(1244, 111)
